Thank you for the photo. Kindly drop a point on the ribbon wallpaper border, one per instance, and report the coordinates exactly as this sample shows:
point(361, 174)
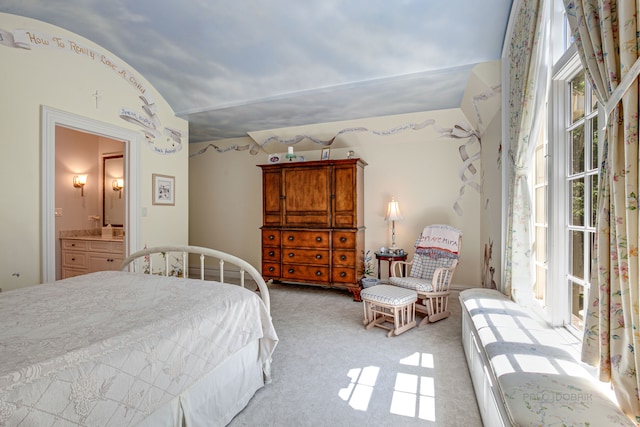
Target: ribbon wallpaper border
point(147, 120)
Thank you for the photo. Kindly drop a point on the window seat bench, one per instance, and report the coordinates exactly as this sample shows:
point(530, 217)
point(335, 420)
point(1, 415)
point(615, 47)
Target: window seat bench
point(520, 371)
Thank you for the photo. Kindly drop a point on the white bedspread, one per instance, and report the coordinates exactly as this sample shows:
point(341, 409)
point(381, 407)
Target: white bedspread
point(109, 348)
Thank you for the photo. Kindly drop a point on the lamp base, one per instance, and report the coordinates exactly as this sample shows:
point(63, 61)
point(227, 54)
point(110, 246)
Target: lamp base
point(393, 246)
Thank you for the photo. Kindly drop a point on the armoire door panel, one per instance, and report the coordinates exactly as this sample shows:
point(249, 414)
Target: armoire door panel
point(344, 197)
point(272, 205)
point(307, 197)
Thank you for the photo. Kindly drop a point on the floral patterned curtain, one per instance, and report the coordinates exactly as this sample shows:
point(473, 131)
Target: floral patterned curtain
point(606, 34)
point(527, 93)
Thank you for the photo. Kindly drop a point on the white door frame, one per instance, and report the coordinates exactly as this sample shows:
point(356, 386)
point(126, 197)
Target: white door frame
point(50, 118)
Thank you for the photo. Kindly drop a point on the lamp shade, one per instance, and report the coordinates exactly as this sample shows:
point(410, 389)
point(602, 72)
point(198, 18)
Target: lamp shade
point(393, 211)
point(117, 184)
point(79, 180)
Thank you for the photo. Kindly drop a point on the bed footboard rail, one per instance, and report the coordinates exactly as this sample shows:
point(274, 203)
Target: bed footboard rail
point(132, 263)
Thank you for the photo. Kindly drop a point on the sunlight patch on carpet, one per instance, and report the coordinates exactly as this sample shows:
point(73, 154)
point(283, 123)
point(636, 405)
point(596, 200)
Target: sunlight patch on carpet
point(424, 360)
point(358, 392)
point(413, 393)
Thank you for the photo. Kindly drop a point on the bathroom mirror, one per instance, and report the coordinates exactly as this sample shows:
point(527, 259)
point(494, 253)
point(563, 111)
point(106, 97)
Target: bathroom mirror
point(113, 188)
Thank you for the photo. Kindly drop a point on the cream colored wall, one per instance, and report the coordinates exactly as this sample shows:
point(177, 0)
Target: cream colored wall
point(418, 167)
point(64, 80)
point(482, 104)
point(491, 218)
point(225, 197)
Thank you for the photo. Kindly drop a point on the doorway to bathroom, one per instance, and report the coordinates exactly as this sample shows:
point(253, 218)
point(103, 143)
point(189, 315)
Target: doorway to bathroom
point(63, 203)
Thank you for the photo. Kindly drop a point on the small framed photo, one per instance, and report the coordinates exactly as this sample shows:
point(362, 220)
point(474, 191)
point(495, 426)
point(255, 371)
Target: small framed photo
point(325, 153)
point(164, 190)
point(274, 158)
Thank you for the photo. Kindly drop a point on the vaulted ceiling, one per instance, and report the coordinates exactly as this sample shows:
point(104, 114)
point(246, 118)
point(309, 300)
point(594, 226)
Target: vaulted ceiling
point(232, 67)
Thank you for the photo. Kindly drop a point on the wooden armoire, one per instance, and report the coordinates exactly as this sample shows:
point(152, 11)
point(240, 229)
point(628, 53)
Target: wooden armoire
point(313, 223)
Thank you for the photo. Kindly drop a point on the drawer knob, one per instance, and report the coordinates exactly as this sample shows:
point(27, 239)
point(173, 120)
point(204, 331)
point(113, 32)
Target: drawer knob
point(73, 244)
point(73, 259)
point(318, 273)
point(272, 269)
point(318, 239)
point(319, 256)
point(290, 238)
point(271, 253)
point(271, 237)
point(343, 239)
point(343, 274)
point(291, 255)
point(343, 257)
point(291, 270)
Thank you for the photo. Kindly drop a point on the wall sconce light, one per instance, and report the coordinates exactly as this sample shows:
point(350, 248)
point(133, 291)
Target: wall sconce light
point(393, 215)
point(117, 185)
point(79, 181)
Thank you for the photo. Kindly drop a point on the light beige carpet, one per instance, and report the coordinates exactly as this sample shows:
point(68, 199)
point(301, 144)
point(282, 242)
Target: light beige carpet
point(329, 371)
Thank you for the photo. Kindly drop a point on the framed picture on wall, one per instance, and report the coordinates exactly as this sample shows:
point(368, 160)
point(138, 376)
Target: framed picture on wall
point(325, 153)
point(164, 190)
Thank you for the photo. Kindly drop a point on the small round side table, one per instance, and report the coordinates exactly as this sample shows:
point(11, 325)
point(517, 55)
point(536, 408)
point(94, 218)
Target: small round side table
point(389, 257)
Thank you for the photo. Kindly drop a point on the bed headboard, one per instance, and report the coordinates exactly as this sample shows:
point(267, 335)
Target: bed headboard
point(181, 252)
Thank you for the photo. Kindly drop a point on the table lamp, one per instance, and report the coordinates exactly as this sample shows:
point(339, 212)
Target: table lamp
point(393, 215)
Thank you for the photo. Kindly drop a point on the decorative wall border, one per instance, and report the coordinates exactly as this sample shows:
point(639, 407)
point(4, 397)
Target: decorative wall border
point(147, 120)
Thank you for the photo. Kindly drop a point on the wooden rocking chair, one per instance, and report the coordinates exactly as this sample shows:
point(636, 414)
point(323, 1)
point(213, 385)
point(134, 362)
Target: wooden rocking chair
point(431, 270)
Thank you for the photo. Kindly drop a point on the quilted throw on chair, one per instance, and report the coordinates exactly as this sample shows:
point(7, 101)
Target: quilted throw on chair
point(439, 241)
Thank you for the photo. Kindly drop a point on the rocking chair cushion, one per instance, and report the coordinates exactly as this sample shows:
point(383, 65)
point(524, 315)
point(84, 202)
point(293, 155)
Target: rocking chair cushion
point(413, 283)
point(423, 266)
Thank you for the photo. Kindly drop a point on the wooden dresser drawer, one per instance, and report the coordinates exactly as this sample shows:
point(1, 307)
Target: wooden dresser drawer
point(344, 240)
point(305, 239)
point(270, 269)
point(271, 237)
point(343, 275)
point(310, 273)
point(271, 254)
point(341, 257)
point(306, 256)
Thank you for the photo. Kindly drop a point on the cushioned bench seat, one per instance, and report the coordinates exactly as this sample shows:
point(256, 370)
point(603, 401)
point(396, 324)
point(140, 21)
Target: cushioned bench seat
point(523, 372)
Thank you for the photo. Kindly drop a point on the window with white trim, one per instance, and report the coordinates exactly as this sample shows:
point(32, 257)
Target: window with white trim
point(565, 190)
point(581, 178)
point(540, 215)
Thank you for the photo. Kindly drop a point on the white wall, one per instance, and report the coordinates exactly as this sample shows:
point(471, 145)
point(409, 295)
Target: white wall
point(56, 77)
point(418, 167)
